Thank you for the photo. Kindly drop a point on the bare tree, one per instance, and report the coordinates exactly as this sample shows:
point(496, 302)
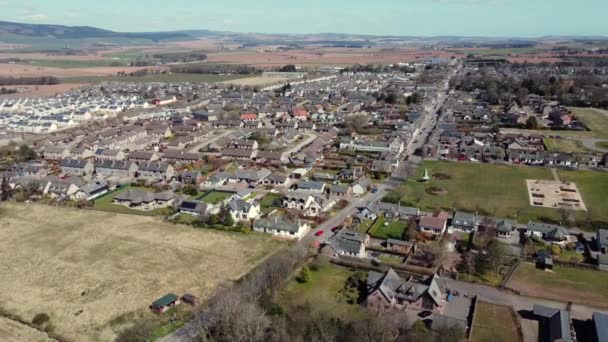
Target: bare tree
point(355, 122)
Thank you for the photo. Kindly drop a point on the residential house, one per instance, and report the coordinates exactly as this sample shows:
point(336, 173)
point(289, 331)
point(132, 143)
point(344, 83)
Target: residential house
point(144, 200)
point(387, 291)
point(340, 191)
point(548, 232)
point(465, 222)
point(392, 211)
point(94, 189)
point(156, 170)
point(347, 243)
point(311, 186)
point(55, 153)
point(399, 246)
point(107, 168)
point(504, 228)
point(77, 167)
point(243, 210)
point(252, 177)
point(555, 324)
point(276, 179)
point(432, 224)
point(309, 205)
point(361, 186)
point(216, 180)
point(282, 227)
point(191, 177)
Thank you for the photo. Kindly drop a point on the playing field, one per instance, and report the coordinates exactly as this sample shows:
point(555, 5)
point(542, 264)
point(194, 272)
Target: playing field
point(498, 189)
point(86, 269)
point(595, 119)
point(494, 323)
point(577, 285)
point(564, 145)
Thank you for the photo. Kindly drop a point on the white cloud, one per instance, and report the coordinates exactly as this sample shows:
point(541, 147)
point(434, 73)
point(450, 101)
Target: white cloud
point(34, 17)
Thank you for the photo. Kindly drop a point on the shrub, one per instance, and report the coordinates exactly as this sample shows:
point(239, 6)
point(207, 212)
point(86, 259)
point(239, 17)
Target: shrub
point(555, 249)
point(41, 319)
point(304, 276)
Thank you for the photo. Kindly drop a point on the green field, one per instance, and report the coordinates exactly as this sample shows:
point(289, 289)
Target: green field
point(215, 197)
point(168, 78)
point(494, 323)
point(499, 189)
point(322, 293)
point(75, 64)
point(394, 230)
point(602, 144)
point(595, 119)
point(564, 145)
point(578, 285)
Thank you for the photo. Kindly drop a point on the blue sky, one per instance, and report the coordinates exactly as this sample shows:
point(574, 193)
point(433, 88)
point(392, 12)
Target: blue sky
point(512, 18)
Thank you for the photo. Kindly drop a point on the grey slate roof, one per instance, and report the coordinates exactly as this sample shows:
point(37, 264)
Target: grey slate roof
point(558, 322)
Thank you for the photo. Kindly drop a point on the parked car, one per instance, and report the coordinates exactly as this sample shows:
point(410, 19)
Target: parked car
point(336, 228)
point(319, 233)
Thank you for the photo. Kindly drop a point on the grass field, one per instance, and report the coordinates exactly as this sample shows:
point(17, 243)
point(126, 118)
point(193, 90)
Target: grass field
point(602, 144)
point(215, 197)
point(595, 119)
point(74, 64)
point(90, 270)
point(322, 293)
point(167, 78)
point(500, 189)
point(11, 331)
point(576, 284)
point(564, 145)
point(494, 323)
point(394, 230)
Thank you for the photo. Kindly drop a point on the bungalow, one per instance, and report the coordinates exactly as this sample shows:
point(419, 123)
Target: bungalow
point(361, 186)
point(465, 222)
point(386, 291)
point(347, 243)
point(234, 153)
point(311, 186)
point(548, 232)
point(391, 210)
point(165, 303)
point(280, 226)
point(216, 180)
point(366, 213)
point(271, 157)
point(191, 177)
point(251, 177)
point(197, 208)
point(276, 179)
point(309, 205)
point(432, 224)
point(504, 228)
point(61, 189)
point(242, 210)
point(144, 200)
point(340, 191)
point(94, 189)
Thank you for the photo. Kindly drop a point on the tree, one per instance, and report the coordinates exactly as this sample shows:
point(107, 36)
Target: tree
point(228, 220)
point(532, 123)
point(304, 276)
point(355, 122)
point(4, 188)
point(492, 259)
point(26, 153)
point(190, 190)
point(288, 68)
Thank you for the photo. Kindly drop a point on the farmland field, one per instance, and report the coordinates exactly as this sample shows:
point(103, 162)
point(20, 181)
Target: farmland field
point(88, 270)
point(494, 323)
point(500, 189)
point(192, 78)
point(579, 285)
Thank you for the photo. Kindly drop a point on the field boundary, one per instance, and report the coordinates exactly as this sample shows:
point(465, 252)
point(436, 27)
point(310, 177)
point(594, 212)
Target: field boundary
point(15, 318)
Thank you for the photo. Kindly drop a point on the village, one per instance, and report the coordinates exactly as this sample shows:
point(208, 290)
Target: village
point(355, 166)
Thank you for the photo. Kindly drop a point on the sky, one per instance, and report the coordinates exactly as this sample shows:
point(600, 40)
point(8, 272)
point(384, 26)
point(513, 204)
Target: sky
point(488, 18)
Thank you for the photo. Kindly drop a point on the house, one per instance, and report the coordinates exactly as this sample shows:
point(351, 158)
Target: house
point(216, 180)
point(235, 153)
point(271, 157)
point(197, 208)
point(163, 101)
point(391, 211)
point(504, 228)
point(252, 177)
point(191, 177)
point(465, 221)
point(347, 243)
point(61, 188)
point(243, 210)
point(311, 186)
point(156, 170)
point(399, 246)
point(309, 205)
point(55, 153)
point(244, 144)
point(548, 232)
point(94, 189)
point(366, 213)
point(432, 224)
point(387, 291)
point(77, 167)
point(107, 154)
point(555, 324)
point(340, 191)
point(144, 200)
point(276, 179)
point(141, 156)
point(107, 168)
point(165, 303)
point(361, 186)
point(280, 226)
point(205, 116)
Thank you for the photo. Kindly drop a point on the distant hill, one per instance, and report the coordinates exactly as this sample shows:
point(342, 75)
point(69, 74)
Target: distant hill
point(49, 36)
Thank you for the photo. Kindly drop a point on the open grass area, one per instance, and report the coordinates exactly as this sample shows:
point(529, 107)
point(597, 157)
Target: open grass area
point(215, 197)
point(564, 145)
point(94, 272)
point(322, 293)
point(168, 78)
point(602, 144)
point(12, 331)
point(269, 202)
point(494, 323)
point(389, 230)
point(499, 189)
point(74, 64)
point(578, 285)
point(595, 119)
point(104, 203)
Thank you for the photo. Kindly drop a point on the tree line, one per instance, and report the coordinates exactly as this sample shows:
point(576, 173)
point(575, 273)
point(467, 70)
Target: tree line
point(42, 80)
point(214, 69)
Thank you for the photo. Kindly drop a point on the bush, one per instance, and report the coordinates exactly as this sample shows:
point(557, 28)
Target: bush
point(40, 319)
point(555, 249)
point(304, 276)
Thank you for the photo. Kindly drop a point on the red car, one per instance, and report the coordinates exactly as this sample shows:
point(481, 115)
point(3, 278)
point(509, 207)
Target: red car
point(319, 233)
point(336, 228)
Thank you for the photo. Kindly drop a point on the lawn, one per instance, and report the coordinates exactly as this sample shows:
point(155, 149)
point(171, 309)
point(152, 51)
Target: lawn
point(104, 203)
point(602, 144)
point(215, 197)
point(389, 230)
point(564, 145)
point(168, 78)
point(494, 323)
point(95, 272)
point(267, 203)
point(500, 189)
point(595, 119)
point(578, 285)
point(593, 186)
point(322, 293)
